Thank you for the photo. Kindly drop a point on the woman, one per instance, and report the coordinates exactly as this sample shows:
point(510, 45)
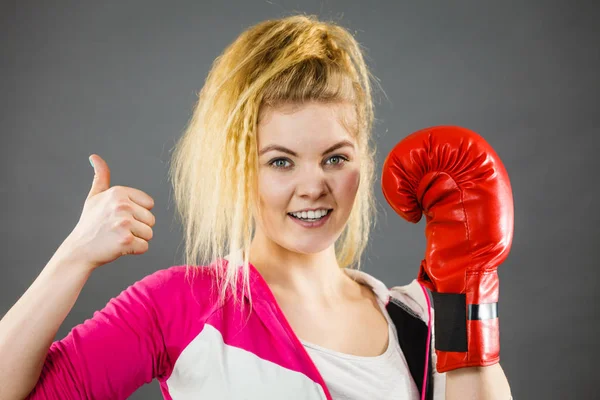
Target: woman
point(273, 182)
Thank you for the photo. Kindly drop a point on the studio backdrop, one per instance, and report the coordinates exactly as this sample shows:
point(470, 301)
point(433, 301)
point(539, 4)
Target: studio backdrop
point(120, 79)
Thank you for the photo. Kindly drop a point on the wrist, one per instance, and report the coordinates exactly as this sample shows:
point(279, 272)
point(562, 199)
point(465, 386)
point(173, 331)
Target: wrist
point(466, 335)
point(67, 259)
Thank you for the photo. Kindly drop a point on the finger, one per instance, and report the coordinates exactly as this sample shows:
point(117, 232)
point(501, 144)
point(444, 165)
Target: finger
point(137, 246)
point(141, 198)
point(141, 230)
point(142, 214)
point(101, 175)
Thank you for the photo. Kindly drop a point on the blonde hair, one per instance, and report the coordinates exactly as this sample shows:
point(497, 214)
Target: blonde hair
point(295, 60)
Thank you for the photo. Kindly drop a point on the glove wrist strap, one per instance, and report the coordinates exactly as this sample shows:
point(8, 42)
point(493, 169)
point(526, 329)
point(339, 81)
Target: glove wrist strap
point(465, 334)
point(450, 321)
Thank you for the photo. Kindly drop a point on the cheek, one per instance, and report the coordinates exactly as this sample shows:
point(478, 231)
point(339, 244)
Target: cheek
point(274, 191)
point(346, 187)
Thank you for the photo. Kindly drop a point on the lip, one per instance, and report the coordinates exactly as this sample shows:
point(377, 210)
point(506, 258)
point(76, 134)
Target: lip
point(315, 224)
point(314, 209)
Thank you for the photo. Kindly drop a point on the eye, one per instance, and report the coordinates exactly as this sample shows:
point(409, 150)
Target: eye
point(280, 163)
point(336, 160)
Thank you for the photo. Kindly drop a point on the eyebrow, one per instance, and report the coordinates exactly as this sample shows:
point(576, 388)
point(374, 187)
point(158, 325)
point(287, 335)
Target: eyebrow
point(275, 147)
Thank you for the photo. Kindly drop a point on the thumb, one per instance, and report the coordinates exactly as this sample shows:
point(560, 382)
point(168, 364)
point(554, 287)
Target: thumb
point(101, 175)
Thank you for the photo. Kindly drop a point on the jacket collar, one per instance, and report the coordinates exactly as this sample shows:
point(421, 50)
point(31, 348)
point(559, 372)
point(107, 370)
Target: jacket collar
point(410, 295)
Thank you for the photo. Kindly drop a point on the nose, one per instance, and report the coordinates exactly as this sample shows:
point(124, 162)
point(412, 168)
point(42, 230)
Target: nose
point(312, 184)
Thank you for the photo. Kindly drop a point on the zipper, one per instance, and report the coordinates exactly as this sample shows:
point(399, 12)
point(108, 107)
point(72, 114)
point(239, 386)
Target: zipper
point(405, 308)
point(428, 366)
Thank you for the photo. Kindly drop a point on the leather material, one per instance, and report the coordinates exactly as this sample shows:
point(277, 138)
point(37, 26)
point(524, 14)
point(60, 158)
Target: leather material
point(454, 177)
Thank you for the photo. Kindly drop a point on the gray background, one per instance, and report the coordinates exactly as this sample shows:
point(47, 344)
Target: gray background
point(120, 79)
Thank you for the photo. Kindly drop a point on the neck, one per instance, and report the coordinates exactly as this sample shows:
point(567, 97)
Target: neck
point(314, 278)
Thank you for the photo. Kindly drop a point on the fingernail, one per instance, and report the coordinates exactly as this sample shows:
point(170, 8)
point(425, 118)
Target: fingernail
point(91, 162)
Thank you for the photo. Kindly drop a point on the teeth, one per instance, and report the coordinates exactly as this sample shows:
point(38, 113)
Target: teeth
point(317, 214)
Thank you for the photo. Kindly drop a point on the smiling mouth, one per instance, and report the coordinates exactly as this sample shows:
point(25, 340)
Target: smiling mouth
point(311, 216)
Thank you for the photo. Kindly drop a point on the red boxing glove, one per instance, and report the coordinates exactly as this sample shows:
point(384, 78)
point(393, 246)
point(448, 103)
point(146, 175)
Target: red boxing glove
point(457, 180)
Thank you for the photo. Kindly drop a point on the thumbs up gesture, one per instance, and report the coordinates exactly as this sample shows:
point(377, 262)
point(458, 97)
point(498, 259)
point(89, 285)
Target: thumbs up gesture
point(115, 221)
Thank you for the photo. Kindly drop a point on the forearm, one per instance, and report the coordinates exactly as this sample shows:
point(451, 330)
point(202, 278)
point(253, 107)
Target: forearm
point(477, 383)
point(29, 327)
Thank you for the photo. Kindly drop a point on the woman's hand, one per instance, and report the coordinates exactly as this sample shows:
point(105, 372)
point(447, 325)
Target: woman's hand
point(455, 178)
point(115, 221)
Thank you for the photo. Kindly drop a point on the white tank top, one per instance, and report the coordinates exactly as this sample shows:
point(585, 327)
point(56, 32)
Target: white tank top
point(350, 377)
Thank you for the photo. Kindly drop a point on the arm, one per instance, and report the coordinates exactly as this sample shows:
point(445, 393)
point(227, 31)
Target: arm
point(115, 352)
point(28, 328)
point(454, 177)
point(108, 356)
point(477, 383)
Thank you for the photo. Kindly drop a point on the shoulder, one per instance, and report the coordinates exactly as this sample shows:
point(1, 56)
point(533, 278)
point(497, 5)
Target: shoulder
point(178, 275)
point(178, 287)
point(410, 296)
point(173, 303)
point(414, 296)
point(166, 281)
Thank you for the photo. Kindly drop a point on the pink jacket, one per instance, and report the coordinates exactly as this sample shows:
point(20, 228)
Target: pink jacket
point(169, 328)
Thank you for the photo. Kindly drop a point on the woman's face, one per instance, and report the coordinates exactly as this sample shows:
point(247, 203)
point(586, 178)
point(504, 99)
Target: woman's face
point(308, 175)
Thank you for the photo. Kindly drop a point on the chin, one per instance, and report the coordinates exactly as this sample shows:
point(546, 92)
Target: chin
point(311, 245)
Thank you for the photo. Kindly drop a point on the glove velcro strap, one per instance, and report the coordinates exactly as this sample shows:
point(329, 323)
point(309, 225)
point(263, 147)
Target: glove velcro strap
point(451, 315)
